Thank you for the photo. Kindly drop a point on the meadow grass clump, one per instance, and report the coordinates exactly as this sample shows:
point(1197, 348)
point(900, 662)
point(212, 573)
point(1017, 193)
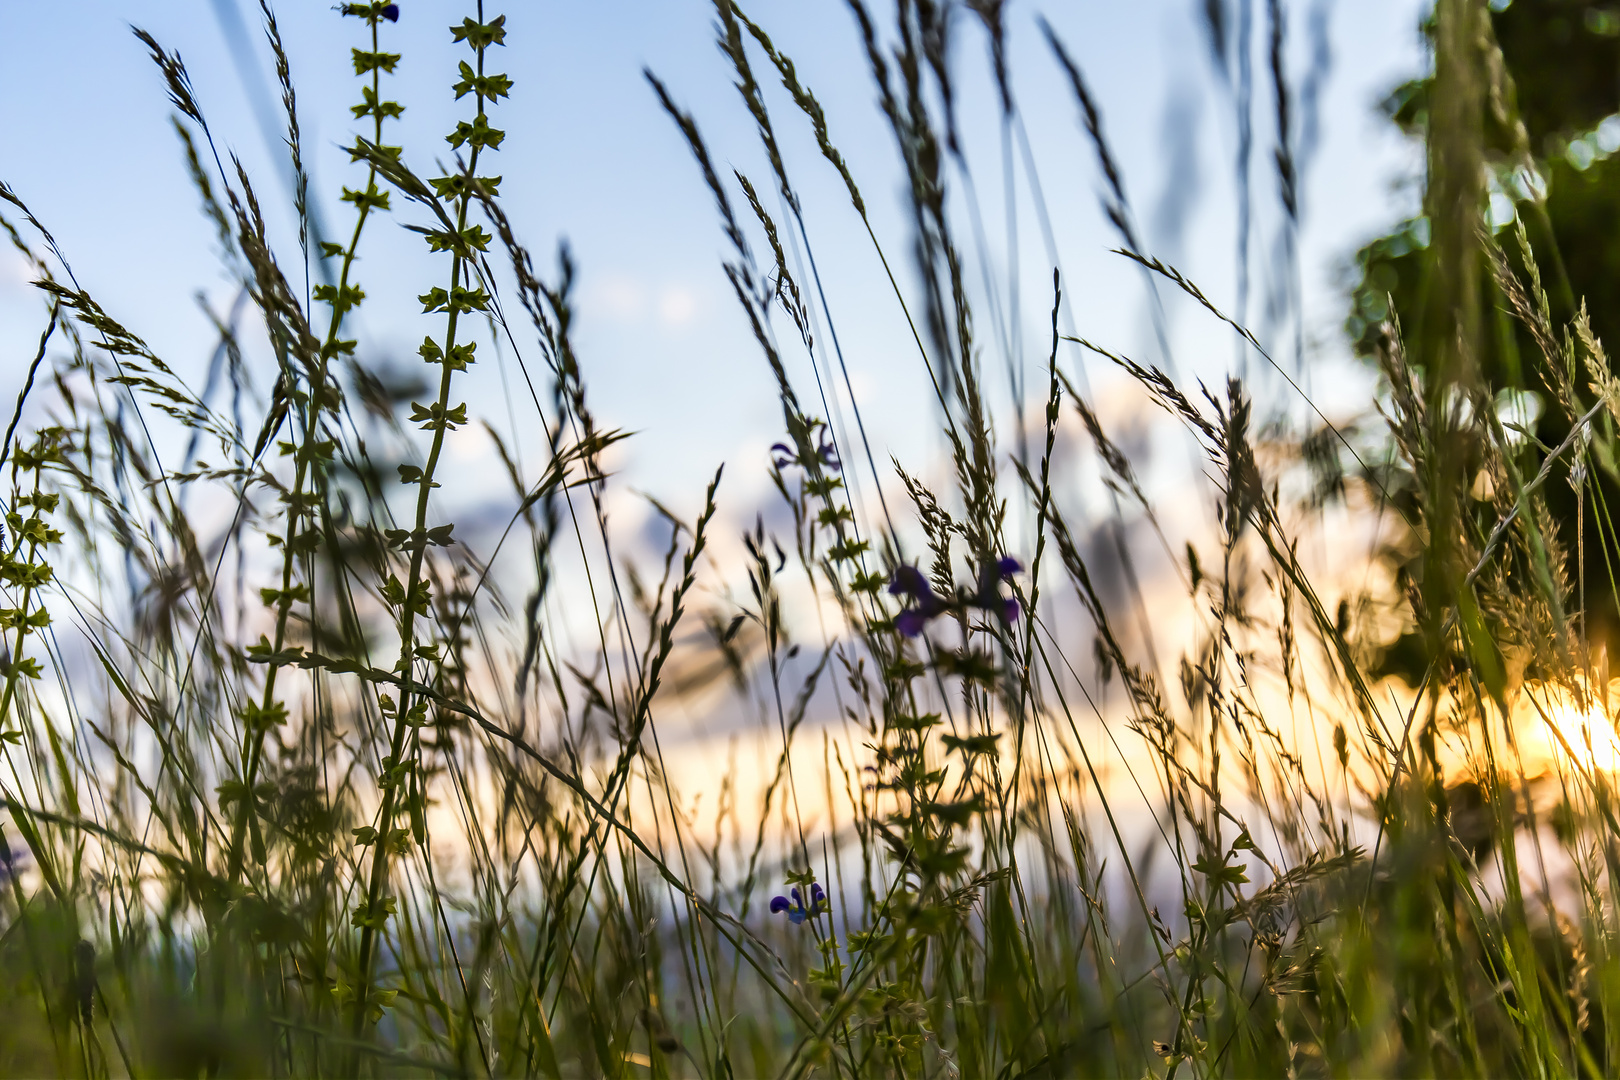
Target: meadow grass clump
point(317, 785)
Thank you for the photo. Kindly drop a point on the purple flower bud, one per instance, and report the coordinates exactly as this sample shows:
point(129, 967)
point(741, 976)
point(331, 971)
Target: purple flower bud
point(391, 12)
point(779, 904)
point(1007, 566)
point(1009, 610)
point(829, 454)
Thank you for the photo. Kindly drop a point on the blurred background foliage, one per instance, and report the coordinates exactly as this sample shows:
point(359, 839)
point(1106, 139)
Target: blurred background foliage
point(1554, 133)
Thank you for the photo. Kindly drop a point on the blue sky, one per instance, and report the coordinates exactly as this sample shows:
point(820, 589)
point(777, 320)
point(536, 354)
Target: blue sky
point(590, 157)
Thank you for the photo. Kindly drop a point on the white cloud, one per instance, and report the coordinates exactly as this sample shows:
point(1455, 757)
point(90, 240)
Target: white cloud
point(616, 296)
point(469, 444)
point(676, 306)
point(15, 271)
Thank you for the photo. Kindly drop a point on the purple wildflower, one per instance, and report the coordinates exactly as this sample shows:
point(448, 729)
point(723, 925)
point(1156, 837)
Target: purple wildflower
point(909, 581)
point(390, 12)
point(989, 596)
point(829, 453)
point(911, 622)
point(825, 452)
point(799, 913)
point(796, 910)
